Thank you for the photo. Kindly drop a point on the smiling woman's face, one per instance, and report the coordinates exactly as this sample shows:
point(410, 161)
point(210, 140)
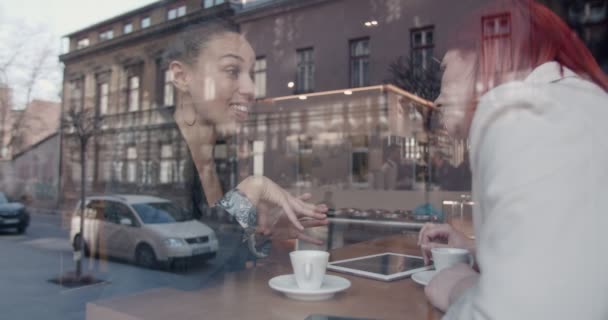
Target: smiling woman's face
point(457, 96)
point(220, 81)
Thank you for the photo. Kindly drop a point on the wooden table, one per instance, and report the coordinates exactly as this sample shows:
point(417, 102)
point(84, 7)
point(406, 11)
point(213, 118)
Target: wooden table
point(246, 295)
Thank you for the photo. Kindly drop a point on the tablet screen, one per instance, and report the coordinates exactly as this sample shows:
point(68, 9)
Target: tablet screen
point(385, 264)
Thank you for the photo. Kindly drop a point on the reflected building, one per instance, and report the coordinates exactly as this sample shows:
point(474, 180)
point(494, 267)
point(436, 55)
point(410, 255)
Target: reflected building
point(326, 112)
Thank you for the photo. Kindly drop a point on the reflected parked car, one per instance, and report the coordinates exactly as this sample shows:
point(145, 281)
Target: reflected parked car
point(147, 230)
point(13, 215)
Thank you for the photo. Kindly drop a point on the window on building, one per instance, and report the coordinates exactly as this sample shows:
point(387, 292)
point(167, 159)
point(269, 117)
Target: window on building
point(587, 12)
point(105, 171)
point(168, 89)
point(168, 164)
point(133, 93)
point(176, 12)
point(211, 3)
point(146, 172)
point(106, 35)
point(145, 22)
point(103, 93)
point(82, 43)
point(305, 73)
point(117, 170)
point(259, 76)
point(422, 45)
point(360, 160)
point(76, 94)
point(496, 34)
point(131, 164)
point(359, 62)
point(127, 28)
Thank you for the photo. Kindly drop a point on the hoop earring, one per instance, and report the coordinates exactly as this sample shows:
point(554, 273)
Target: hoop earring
point(181, 105)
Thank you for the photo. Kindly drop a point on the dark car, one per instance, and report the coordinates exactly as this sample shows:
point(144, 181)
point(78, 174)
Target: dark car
point(13, 215)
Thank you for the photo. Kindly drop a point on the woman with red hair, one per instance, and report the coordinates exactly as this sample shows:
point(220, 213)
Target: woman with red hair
point(533, 102)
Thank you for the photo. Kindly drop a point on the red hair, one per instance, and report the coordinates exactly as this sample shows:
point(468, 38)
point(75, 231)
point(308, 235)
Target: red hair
point(536, 35)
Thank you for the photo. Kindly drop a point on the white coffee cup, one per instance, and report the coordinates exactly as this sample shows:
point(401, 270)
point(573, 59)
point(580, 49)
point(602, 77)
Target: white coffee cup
point(309, 267)
point(447, 257)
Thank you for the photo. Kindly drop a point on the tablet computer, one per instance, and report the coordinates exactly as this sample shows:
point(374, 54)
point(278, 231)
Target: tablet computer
point(386, 266)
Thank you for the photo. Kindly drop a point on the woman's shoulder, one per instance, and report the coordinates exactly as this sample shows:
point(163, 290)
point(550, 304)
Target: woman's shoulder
point(508, 106)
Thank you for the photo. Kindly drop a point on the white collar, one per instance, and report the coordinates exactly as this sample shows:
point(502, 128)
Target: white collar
point(549, 72)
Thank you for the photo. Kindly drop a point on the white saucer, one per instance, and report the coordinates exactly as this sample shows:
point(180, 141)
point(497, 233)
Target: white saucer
point(423, 277)
point(287, 285)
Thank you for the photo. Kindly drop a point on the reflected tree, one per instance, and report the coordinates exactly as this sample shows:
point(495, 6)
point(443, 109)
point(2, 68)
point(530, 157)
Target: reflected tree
point(81, 124)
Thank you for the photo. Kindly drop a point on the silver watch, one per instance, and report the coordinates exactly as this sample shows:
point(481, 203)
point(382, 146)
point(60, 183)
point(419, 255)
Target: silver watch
point(258, 244)
point(240, 207)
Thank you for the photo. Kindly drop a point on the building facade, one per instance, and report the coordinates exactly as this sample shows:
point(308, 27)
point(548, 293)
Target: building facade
point(325, 115)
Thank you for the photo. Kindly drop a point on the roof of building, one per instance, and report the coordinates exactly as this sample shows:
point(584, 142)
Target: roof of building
point(120, 17)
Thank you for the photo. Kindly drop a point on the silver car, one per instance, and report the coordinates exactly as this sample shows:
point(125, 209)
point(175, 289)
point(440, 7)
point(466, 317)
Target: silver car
point(147, 230)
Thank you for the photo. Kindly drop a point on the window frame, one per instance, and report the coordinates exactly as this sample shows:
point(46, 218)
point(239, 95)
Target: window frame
point(213, 3)
point(171, 162)
point(259, 72)
point(166, 84)
point(308, 66)
point(80, 40)
point(131, 90)
point(124, 27)
point(496, 37)
point(79, 83)
point(106, 35)
point(352, 58)
point(141, 22)
point(131, 161)
point(424, 47)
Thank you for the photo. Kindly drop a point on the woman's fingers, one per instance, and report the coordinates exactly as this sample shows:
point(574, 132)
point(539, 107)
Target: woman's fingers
point(431, 231)
point(423, 230)
point(426, 251)
point(307, 209)
point(304, 237)
point(305, 196)
point(286, 205)
point(314, 223)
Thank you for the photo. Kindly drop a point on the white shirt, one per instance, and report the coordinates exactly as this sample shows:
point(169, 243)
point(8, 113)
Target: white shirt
point(539, 157)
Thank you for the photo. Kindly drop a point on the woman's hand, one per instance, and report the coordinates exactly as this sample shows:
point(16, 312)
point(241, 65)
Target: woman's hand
point(449, 284)
point(261, 191)
point(274, 223)
point(441, 235)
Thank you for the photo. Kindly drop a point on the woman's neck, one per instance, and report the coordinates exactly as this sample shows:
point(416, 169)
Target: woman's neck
point(200, 138)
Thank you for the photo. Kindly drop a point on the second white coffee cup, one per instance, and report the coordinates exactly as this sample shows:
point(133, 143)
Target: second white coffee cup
point(309, 267)
point(447, 257)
